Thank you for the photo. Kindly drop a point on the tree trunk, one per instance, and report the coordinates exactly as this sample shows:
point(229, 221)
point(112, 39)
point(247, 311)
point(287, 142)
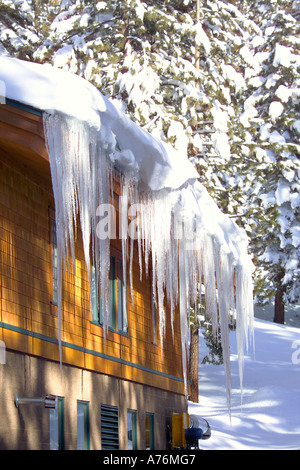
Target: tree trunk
point(279, 303)
point(193, 365)
point(279, 306)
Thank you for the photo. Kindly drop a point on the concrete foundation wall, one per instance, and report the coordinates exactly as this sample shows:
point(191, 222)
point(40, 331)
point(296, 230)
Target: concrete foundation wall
point(27, 427)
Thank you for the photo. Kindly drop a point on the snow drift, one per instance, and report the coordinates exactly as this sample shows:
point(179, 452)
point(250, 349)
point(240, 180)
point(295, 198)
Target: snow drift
point(268, 417)
point(188, 239)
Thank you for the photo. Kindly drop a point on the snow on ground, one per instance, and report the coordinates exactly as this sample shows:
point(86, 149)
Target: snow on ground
point(269, 417)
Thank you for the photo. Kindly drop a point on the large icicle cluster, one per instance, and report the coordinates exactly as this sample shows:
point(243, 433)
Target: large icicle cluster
point(180, 232)
point(179, 229)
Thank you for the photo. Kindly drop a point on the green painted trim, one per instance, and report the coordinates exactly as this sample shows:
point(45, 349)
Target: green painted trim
point(117, 332)
point(66, 344)
point(18, 329)
point(24, 107)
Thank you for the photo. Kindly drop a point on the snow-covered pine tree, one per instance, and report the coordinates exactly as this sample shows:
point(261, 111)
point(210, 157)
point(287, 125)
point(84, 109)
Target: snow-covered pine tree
point(223, 162)
point(24, 26)
point(275, 238)
point(256, 166)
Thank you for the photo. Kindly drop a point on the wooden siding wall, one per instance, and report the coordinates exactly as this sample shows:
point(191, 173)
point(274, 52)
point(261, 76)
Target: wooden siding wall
point(29, 320)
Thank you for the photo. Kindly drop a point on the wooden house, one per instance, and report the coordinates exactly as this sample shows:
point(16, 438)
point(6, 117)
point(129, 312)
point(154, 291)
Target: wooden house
point(127, 380)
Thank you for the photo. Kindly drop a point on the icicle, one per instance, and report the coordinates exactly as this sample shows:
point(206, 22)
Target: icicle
point(209, 271)
point(183, 310)
point(185, 243)
point(224, 279)
point(101, 193)
point(55, 134)
point(123, 207)
point(244, 316)
point(80, 179)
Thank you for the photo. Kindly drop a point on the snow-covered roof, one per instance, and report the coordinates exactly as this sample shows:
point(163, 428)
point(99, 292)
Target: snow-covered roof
point(86, 134)
point(51, 89)
point(155, 165)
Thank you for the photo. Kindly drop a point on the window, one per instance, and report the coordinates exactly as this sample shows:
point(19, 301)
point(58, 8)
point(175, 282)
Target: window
point(57, 425)
point(131, 430)
point(117, 296)
point(53, 248)
point(109, 427)
point(149, 425)
point(83, 425)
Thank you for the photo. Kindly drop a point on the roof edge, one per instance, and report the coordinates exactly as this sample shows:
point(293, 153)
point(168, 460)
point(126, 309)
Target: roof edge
point(24, 107)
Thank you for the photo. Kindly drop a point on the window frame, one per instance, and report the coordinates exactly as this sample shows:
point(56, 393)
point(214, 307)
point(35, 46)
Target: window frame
point(118, 319)
point(84, 434)
point(56, 425)
point(133, 417)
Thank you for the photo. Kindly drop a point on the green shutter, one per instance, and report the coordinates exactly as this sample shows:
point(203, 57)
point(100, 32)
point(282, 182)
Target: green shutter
point(96, 297)
point(121, 292)
point(149, 425)
point(112, 293)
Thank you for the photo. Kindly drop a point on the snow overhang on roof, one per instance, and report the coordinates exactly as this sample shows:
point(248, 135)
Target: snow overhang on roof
point(54, 90)
point(86, 136)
